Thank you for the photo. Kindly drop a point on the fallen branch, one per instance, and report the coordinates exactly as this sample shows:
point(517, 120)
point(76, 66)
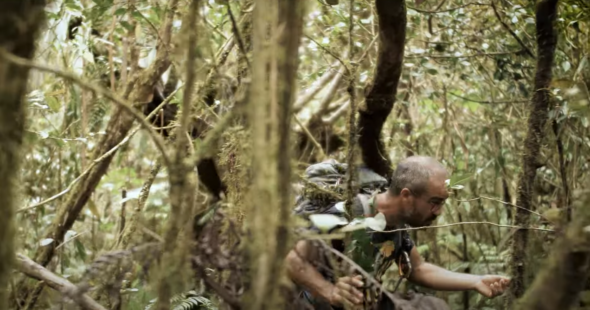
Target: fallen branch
point(36, 271)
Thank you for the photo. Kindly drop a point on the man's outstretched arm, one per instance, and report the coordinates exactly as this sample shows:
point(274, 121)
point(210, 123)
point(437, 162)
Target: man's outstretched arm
point(434, 277)
point(306, 275)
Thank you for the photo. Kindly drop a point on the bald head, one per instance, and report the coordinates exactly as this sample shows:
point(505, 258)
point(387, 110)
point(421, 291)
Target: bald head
point(414, 174)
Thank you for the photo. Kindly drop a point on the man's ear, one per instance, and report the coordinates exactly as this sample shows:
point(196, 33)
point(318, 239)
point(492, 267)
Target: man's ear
point(405, 193)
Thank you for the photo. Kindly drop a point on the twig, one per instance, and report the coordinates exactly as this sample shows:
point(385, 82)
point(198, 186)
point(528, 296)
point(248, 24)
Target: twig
point(238, 36)
point(502, 202)
point(36, 271)
point(338, 113)
point(437, 10)
point(305, 96)
point(310, 136)
point(490, 102)
point(360, 270)
point(97, 90)
point(462, 56)
point(516, 37)
point(463, 223)
point(327, 50)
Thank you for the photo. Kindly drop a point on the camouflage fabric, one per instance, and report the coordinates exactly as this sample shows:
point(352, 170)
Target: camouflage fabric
point(323, 193)
point(324, 184)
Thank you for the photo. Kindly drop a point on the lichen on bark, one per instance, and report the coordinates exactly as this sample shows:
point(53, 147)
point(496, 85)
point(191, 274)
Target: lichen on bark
point(277, 30)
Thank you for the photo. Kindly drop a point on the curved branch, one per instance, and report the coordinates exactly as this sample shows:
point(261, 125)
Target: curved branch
point(381, 95)
point(36, 271)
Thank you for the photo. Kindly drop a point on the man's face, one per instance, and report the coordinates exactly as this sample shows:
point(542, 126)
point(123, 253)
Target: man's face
point(422, 210)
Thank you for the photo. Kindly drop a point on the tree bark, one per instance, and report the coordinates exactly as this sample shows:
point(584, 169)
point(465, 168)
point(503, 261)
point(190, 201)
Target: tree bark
point(380, 97)
point(182, 185)
point(546, 43)
point(559, 283)
point(20, 21)
point(274, 71)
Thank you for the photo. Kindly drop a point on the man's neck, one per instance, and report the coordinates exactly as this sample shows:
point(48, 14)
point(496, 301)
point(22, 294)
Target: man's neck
point(388, 205)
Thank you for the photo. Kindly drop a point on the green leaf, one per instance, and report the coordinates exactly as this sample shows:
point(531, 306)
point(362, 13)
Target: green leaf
point(126, 25)
point(80, 249)
point(566, 66)
point(53, 103)
point(120, 11)
point(459, 178)
point(93, 209)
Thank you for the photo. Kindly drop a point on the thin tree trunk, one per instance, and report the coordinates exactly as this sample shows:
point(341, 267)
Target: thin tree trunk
point(20, 21)
point(560, 282)
point(175, 258)
point(546, 43)
point(274, 71)
point(381, 95)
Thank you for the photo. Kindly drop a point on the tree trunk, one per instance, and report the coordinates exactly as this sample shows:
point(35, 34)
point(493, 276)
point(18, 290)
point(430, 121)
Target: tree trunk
point(381, 95)
point(546, 43)
point(559, 283)
point(273, 77)
point(20, 21)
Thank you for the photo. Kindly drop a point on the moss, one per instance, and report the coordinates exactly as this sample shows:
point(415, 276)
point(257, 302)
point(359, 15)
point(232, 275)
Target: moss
point(20, 22)
point(234, 161)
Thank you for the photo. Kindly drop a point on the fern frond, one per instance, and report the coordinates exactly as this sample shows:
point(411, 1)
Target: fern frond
point(190, 300)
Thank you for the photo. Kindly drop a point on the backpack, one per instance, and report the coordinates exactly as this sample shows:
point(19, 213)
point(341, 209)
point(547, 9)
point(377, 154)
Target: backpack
point(324, 185)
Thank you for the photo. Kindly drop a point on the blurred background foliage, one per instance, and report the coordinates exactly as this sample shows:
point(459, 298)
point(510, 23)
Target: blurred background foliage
point(466, 83)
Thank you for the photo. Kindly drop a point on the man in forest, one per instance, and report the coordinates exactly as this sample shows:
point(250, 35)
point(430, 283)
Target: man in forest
point(414, 197)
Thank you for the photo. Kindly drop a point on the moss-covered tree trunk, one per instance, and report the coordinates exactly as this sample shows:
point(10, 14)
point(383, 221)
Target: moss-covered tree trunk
point(20, 21)
point(558, 284)
point(546, 43)
point(381, 95)
point(277, 30)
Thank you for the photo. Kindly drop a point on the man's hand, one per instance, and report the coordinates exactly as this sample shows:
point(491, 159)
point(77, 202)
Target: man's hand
point(491, 286)
point(345, 292)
